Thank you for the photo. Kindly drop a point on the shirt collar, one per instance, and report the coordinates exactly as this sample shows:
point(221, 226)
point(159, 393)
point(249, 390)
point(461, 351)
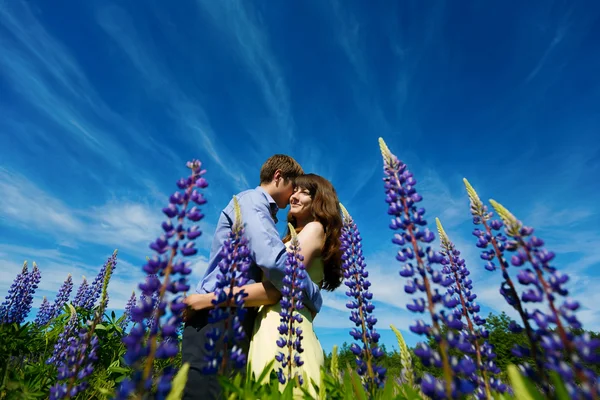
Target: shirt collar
point(272, 204)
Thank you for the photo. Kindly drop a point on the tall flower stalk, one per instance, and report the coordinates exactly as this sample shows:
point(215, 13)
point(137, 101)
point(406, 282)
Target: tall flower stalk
point(17, 303)
point(62, 297)
point(486, 238)
point(229, 304)
point(146, 345)
point(418, 268)
point(81, 351)
point(95, 289)
point(548, 284)
point(44, 313)
point(291, 337)
point(127, 313)
point(473, 337)
point(407, 374)
point(355, 275)
point(83, 292)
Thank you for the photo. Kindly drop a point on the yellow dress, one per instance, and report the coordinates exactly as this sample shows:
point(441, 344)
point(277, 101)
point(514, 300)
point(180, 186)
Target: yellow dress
point(263, 346)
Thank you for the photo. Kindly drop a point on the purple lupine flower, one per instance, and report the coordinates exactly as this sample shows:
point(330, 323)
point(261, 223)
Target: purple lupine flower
point(422, 277)
point(127, 314)
point(83, 292)
point(471, 340)
point(361, 306)
point(44, 314)
point(16, 291)
point(62, 297)
point(291, 337)
point(229, 305)
point(151, 302)
point(95, 289)
point(59, 353)
point(547, 283)
point(17, 304)
point(142, 348)
point(493, 246)
point(79, 355)
point(81, 351)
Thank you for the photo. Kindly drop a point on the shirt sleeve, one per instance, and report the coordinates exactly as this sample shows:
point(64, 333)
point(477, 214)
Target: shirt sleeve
point(268, 250)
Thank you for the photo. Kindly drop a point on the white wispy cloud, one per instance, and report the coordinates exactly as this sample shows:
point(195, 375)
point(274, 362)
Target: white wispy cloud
point(119, 223)
point(42, 71)
point(194, 124)
point(25, 204)
point(239, 23)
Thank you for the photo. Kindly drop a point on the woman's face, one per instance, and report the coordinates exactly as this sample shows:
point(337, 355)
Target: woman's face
point(300, 204)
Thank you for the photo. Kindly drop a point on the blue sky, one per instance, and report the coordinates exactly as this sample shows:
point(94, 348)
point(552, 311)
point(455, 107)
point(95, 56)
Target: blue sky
point(103, 102)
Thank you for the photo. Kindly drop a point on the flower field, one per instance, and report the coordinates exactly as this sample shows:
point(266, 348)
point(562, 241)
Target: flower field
point(75, 348)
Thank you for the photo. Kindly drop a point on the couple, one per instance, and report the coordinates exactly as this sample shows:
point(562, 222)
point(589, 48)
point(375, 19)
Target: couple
point(316, 216)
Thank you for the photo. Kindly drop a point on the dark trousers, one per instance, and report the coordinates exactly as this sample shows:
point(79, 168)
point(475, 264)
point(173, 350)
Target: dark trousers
point(200, 386)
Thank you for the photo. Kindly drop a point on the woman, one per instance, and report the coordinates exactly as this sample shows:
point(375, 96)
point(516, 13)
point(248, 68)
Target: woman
point(316, 216)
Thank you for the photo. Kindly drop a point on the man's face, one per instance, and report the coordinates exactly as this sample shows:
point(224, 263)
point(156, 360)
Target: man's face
point(285, 190)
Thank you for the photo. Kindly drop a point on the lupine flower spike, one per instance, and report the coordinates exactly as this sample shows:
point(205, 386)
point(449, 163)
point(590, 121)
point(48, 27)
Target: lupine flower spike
point(95, 289)
point(547, 283)
point(81, 351)
point(493, 246)
point(62, 297)
point(291, 337)
point(418, 269)
point(143, 347)
point(471, 339)
point(127, 314)
point(16, 291)
point(229, 304)
point(44, 313)
point(82, 294)
point(355, 273)
point(407, 373)
point(17, 303)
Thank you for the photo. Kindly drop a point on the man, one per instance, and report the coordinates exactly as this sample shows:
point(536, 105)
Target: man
point(259, 207)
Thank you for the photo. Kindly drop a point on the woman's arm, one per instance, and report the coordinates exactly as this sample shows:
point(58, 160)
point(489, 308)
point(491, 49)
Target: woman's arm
point(310, 239)
point(262, 293)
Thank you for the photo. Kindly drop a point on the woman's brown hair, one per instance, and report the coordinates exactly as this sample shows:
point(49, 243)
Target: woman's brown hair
point(326, 209)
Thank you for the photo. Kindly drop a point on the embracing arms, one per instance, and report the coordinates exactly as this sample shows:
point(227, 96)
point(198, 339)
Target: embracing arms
point(266, 293)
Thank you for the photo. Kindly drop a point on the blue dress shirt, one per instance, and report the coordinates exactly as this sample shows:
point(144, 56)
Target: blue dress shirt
point(267, 251)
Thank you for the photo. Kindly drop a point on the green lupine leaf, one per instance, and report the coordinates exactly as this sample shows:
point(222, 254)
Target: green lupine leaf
point(560, 391)
point(522, 387)
point(359, 389)
point(179, 382)
point(388, 389)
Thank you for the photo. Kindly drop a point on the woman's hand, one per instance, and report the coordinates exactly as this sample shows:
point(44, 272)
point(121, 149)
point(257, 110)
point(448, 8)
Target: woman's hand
point(199, 301)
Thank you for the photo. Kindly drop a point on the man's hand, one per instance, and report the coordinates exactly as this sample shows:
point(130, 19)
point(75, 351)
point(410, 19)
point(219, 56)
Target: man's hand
point(198, 301)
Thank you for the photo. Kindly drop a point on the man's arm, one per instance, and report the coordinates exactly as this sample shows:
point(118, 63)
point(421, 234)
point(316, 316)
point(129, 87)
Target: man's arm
point(269, 252)
point(258, 294)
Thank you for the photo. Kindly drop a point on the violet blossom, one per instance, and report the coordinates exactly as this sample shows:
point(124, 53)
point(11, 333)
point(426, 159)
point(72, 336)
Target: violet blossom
point(361, 306)
point(127, 313)
point(44, 314)
point(470, 340)
point(556, 325)
point(170, 275)
point(291, 337)
point(223, 346)
point(493, 245)
point(17, 303)
point(78, 356)
point(423, 280)
point(62, 297)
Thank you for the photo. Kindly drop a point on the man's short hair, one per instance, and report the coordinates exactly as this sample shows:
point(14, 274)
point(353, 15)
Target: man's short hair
point(290, 169)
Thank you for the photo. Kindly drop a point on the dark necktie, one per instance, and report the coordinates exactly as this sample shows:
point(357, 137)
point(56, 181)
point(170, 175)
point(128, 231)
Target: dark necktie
point(274, 210)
